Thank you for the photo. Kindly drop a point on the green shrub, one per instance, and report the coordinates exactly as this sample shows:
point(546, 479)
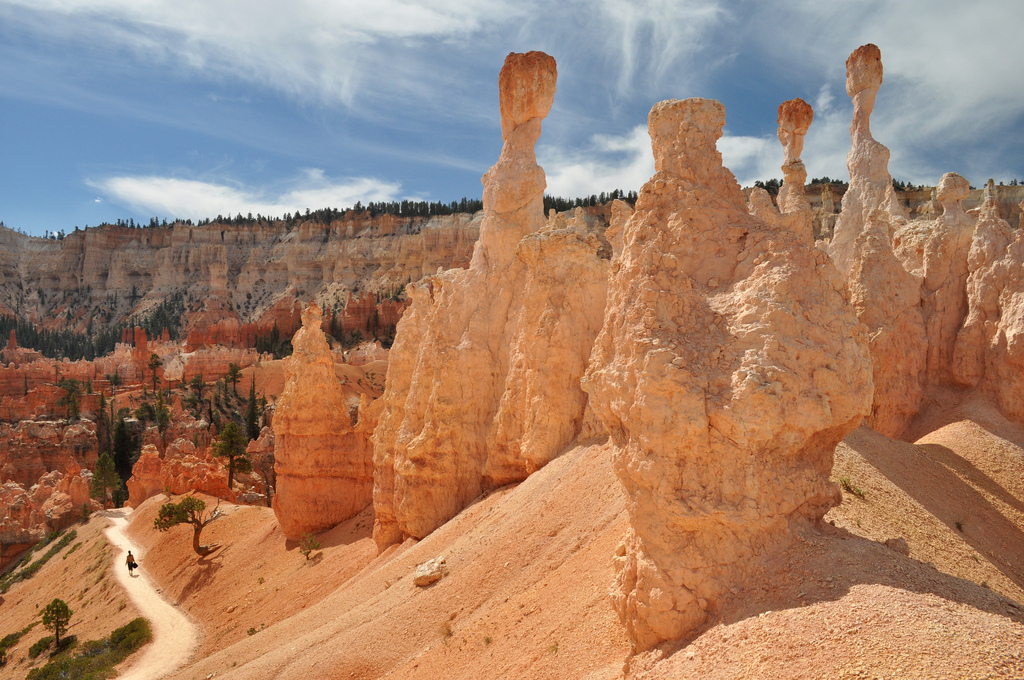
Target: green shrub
point(308, 544)
point(11, 639)
point(75, 547)
point(96, 658)
point(131, 636)
point(66, 644)
point(40, 646)
point(848, 486)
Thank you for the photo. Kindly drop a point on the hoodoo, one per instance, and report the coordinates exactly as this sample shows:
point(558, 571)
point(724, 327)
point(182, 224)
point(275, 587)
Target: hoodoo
point(728, 368)
point(483, 378)
point(324, 469)
point(886, 296)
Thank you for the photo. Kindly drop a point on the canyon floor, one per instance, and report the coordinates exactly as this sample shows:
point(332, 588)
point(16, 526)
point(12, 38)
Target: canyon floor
point(529, 568)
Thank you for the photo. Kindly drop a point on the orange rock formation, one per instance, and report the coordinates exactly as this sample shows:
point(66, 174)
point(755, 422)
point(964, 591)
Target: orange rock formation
point(324, 469)
point(728, 368)
point(483, 378)
point(886, 296)
point(181, 469)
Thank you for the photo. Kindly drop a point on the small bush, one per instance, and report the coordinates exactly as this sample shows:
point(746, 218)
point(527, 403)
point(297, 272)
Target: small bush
point(75, 547)
point(856, 491)
point(67, 643)
point(131, 636)
point(308, 544)
point(40, 646)
point(11, 639)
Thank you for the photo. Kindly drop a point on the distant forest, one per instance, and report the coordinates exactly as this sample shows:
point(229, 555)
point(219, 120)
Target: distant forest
point(373, 209)
point(68, 344)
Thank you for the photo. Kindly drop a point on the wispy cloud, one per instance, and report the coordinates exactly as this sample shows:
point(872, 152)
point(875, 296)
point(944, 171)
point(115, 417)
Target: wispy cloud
point(192, 199)
point(313, 49)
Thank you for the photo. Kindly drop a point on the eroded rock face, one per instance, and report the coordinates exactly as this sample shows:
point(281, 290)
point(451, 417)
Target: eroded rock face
point(935, 251)
point(728, 367)
point(989, 350)
point(32, 448)
point(886, 296)
point(887, 299)
point(181, 469)
point(868, 161)
point(55, 502)
point(324, 469)
point(483, 377)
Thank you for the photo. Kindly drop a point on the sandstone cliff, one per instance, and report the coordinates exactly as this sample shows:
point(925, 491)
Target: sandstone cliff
point(728, 367)
point(235, 280)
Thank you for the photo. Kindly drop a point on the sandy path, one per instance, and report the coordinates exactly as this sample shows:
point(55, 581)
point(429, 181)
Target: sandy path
point(174, 636)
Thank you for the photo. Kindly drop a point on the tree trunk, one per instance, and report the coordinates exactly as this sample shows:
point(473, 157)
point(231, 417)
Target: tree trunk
point(201, 550)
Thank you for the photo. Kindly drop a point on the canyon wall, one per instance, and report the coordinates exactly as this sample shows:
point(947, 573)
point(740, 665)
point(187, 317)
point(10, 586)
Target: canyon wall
point(237, 280)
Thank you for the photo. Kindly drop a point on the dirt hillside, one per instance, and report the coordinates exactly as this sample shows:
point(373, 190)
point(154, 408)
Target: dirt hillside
point(530, 565)
point(81, 575)
point(529, 568)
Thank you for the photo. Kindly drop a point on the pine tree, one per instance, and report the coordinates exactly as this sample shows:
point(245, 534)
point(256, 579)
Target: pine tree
point(104, 480)
point(154, 363)
point(232, 446)
point(252, 422)
point(122, 443)
point(56, 617)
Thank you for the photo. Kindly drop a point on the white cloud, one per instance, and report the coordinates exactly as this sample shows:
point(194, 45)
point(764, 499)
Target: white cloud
point(182, 198)
point(952, 75)
point(608, 163)
point(655, 40)
point(750, 158)
point(626, 162)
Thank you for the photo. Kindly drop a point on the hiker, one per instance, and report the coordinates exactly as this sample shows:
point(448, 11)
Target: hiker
point(132, 564)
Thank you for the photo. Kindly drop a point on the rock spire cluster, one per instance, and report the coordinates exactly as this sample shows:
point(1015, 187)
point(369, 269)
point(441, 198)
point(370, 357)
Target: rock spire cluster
point(483, 378)
point(728, 367)
point(989, 348)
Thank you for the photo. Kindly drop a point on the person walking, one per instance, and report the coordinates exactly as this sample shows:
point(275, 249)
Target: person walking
point(132, 564)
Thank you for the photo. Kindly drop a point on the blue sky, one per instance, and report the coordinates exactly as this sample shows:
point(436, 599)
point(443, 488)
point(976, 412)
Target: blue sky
point(189, 108)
